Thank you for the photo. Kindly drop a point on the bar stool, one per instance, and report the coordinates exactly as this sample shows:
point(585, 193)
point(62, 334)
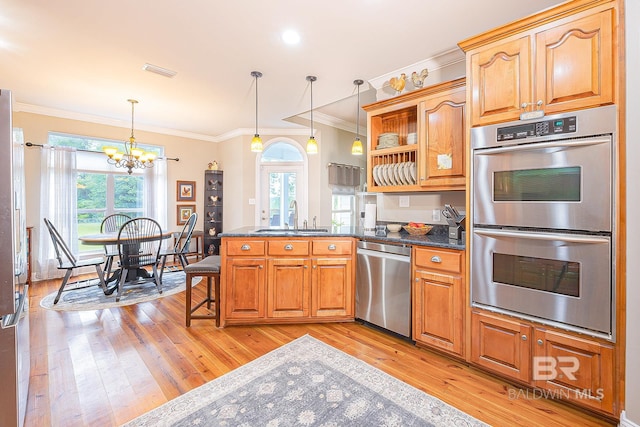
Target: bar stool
point(209, 268)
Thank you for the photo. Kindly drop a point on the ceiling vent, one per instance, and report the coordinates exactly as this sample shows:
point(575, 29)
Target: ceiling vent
point(159, 70)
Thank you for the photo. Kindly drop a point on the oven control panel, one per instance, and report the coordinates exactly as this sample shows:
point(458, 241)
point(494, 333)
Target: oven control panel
point(535, 129)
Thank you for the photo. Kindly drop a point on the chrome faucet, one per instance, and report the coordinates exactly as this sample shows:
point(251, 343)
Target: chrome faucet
point(294, 205)
point(314, 223)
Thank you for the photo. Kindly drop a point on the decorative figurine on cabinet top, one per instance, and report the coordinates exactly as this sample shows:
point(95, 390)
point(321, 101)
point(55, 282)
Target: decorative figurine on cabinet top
point(213, 166)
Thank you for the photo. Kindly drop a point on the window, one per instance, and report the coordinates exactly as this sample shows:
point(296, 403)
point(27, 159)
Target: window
point(103, 189)
point(342, 210)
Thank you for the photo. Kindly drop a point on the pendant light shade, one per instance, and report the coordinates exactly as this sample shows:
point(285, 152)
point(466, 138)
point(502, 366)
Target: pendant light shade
point(256, 142)
point(312, 144)
point(356, 147)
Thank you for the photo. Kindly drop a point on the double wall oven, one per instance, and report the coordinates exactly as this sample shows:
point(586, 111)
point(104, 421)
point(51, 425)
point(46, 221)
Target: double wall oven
point(542, 234)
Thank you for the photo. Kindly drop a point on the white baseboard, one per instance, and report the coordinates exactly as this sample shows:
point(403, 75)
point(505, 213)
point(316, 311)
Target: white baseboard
point(625, 422)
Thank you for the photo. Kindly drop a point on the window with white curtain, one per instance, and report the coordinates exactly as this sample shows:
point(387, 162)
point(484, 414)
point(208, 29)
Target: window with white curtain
point(102, 189)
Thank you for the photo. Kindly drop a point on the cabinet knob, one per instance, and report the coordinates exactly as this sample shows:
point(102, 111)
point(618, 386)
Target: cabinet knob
point(524, 338)
point(417, 279)
point(288, 247)
point(306, 266)
point(436, 258)
point(315, 266)
point(540, 342)
point(261, 267)
point(245, 247)
point(331, 247)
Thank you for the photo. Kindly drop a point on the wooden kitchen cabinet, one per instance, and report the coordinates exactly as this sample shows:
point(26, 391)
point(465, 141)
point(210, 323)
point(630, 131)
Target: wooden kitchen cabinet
point(564, 59)
point(567, 366)
point(438, 299)
point(288, 287)
point(332, 278)
point(583, 370)
point(501, 345)
point(436, 162)
point(442, 146)
point(288, 280)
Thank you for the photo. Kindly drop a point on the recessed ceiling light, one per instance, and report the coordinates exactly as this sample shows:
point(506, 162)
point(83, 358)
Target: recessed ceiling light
point(159, 70)
point(291, 37)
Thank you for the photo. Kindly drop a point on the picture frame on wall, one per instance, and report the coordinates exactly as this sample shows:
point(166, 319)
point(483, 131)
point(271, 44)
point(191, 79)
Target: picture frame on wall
point(183, 212)
point(186, 191)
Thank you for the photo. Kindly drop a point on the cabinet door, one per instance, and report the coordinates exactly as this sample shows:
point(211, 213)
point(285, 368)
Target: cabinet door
point(575, 64)
point(332, 288)
point(500, 80)
point(437, 310)
point(245, 288)
point(442, 149)
point(288, 287)
point(577, 369)
point(501, 345)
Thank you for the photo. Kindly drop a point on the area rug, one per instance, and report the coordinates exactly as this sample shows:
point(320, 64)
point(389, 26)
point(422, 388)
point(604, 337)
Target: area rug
point(305, 383)
point(92, 298)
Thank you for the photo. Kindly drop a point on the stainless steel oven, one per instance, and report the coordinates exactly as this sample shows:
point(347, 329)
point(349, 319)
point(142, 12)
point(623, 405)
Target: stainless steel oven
point(542, 234)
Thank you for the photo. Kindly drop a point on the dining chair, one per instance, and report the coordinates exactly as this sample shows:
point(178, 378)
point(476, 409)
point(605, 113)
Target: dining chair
point(112, 224)
point(139, 243)
point(67, 261)
point(181, 245)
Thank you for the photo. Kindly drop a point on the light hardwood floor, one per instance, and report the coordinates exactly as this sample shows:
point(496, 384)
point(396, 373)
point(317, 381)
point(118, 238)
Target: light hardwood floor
point(105, 367)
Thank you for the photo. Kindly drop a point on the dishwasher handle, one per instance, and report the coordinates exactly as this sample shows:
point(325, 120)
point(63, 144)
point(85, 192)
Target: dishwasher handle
point(385, 255)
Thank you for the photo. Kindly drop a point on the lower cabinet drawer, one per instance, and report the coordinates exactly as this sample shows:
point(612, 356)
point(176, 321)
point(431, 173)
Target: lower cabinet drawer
point(439, 259)
point(245, 247)
point(331, 247)
point(288, 247)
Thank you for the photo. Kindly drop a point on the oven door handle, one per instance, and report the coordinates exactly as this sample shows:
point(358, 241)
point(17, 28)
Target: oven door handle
point(570, 143)
point(543, 236)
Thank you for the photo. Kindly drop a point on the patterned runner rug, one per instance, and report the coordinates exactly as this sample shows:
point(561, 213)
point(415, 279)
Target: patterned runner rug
point(91, 297)
point(305, 383)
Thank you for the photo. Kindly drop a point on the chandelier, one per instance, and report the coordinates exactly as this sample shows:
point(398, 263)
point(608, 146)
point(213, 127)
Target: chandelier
point(133, 157)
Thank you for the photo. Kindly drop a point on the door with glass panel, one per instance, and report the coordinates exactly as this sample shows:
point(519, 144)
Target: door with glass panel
point(282, 177)
point(280, 187)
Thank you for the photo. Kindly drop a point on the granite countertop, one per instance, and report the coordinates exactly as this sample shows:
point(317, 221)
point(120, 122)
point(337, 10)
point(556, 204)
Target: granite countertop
point(437, 237)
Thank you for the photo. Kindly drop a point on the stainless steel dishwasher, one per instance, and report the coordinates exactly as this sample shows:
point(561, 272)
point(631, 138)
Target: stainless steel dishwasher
point(383, 286)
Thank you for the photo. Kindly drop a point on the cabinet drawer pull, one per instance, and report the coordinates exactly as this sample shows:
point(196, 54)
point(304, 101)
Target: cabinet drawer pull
point(524, 338)
point(540, 342)
point(436, 258)
point(306, 266)
point(261, 267)
point(331, 247)
point(245, 247)
point(288, 247)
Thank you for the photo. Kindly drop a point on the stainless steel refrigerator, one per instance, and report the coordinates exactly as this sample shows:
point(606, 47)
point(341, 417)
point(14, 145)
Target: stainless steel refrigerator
point(14, 303)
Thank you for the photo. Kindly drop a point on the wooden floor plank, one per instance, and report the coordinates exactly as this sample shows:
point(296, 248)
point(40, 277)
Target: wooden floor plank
point(106, 367)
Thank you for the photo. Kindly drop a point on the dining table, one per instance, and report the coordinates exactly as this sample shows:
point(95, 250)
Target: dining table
point(111, 238)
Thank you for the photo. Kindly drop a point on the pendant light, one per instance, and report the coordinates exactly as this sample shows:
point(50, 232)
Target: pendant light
point(256, 142)
point(312, 145)
point(356, 147)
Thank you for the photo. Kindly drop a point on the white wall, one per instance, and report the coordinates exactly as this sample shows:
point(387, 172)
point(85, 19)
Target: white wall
point(632, 380)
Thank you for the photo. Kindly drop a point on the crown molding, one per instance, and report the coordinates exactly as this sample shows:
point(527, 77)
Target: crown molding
point(63, 114)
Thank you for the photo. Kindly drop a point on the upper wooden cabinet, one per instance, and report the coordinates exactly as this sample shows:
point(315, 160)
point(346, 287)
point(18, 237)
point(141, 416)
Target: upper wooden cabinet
point(434, 160)
point(442, 140)
point(560, 60)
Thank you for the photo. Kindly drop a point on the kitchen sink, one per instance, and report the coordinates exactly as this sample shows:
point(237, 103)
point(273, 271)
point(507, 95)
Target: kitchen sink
point(299, 231)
